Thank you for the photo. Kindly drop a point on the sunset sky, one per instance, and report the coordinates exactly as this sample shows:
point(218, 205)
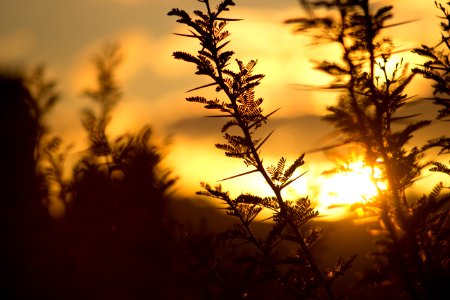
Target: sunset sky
point(66, 34)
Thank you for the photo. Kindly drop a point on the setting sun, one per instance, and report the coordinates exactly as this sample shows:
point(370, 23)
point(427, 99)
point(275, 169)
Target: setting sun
point(355, 183)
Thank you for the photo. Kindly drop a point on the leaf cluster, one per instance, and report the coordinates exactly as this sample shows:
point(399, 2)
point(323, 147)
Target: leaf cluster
point(369, 104)
point(282, 175)
point(437, 66)
point(436, 69)
point(290, 269)
point(106, 95)
point(243, 108)
point(44, 97)
point(44, 94)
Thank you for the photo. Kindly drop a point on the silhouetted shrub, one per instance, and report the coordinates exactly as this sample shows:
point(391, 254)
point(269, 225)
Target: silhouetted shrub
point(293, 273)
point(409, 254)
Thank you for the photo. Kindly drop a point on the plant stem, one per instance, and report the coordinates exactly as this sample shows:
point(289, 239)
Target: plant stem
point(260, 167)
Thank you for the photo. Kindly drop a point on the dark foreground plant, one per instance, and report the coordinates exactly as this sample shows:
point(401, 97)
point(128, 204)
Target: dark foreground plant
point(437, 69)
point(294, 271)
point(114, 239)
point(410, 250)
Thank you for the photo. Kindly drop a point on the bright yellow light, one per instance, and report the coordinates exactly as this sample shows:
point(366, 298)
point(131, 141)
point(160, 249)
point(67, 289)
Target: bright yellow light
point(355, 184)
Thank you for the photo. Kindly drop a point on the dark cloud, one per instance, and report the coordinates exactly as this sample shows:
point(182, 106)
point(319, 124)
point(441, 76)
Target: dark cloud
point(302, 133)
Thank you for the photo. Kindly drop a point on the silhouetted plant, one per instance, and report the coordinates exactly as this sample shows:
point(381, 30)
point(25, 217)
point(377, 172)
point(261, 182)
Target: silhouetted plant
point(299, 273)
point(438, 64)
point(29, 256)
point(367, 108)
point(106, 95)
point(44, 95)
point(39, 97)
point(437, 69)
point(18, 134)
point(116, 239)
point(129, 158)
point(116, 217)
point(49, 156)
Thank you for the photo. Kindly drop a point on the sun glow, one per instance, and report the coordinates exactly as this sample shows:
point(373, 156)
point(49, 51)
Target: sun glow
point(355, 183)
